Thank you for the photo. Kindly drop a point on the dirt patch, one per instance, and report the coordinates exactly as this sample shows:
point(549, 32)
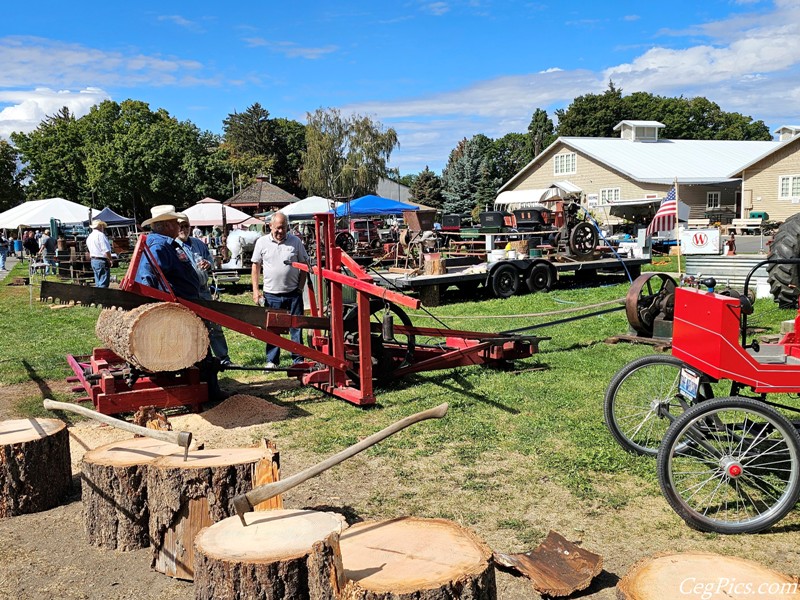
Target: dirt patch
point(504, 498)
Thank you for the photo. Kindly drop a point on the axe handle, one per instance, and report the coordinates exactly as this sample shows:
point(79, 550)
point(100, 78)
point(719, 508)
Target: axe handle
point(244, 503)
point(181, 438)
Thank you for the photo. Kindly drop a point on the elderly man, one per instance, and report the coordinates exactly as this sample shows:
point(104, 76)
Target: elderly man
point(203, 262)
point(99, 253)
point(171, 257)
point(283, 283)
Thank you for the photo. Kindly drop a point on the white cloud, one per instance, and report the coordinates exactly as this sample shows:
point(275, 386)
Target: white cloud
point(181, 21)
point(292, 49)
point(31, 61)
point(27, 108)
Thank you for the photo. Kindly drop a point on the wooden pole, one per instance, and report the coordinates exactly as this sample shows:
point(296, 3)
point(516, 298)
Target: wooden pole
point(677, 227)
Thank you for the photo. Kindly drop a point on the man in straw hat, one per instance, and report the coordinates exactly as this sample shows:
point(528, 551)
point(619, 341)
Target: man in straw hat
point(173, 260)
point(99, 253)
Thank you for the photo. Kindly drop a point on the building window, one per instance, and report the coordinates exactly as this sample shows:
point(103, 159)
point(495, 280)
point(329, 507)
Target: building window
point(564, 164)
point(608, 195)
point(789, 186)
point(712, 200)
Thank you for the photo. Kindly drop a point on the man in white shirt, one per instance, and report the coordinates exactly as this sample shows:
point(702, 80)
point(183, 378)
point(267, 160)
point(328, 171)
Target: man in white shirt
point(100, 254)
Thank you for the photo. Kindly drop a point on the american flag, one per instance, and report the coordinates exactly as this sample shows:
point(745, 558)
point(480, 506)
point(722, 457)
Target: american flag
point(665, 216)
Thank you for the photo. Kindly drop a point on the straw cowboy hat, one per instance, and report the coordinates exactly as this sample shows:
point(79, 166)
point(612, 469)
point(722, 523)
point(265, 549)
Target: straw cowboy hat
point(163, 212)
point(98, 223)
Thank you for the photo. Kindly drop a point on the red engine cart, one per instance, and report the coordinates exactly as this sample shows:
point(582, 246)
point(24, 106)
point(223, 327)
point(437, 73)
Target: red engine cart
point(729, 464)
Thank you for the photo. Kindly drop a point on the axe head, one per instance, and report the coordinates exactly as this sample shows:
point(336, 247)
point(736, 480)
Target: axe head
point(242, 505)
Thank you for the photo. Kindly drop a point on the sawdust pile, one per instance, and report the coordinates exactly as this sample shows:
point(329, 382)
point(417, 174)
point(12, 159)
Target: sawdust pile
point(235, 422)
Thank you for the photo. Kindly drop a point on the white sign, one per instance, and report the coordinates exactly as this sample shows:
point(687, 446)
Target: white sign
point(700, 241)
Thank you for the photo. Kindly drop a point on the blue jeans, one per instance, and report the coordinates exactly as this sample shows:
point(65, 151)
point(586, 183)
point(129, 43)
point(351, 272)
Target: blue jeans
point(294, 304)
point(102, 272)
point(3, 255)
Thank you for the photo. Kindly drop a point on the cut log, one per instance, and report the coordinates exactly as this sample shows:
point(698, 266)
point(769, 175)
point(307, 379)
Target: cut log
point(114, 492)
point(434, 266)
point(184, 497)
point(35, 472)
point(415, 559)
point(707, 575)
point(156, 337)
point(287, 554)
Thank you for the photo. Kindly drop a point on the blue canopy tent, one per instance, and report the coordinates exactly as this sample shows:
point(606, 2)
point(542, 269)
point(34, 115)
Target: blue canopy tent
point(112, 219)
point(370, 206)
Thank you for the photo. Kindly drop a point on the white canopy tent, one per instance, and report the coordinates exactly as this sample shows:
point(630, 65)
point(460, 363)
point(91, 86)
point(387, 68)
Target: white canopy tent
point(37, 213)
point(518, 199)
point(208, 212)
point(306, 209)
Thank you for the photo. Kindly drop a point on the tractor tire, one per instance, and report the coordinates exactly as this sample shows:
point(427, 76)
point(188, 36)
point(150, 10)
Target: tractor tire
point(784, 283)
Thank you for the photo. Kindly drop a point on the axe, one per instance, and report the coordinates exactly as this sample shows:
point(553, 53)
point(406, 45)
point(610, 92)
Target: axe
point(244, 503)
point(181, 438)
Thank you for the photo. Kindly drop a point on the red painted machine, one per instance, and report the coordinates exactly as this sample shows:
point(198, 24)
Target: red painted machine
point(351, 346)
point(729, 464)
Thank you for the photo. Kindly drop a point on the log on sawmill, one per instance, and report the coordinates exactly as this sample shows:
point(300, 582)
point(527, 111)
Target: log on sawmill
point(163, 336)
point(414, 558)
point(114, 492)
point(35, 472)
point(290, 554)
point(695, 574)
point(186, 496)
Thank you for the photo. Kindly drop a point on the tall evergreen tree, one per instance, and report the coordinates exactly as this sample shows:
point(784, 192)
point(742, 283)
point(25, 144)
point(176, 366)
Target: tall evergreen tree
point(427, 188)
point(11, 190)
point(462, 177)
point(541, 132)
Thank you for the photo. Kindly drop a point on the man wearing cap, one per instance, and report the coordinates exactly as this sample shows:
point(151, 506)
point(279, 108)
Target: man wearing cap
point(171, 257)
point(202, 260)
point(99, 253)
point(283, 283)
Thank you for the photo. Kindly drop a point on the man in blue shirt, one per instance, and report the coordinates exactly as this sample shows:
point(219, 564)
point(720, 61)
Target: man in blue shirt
point(171, 257)
point(203, 262)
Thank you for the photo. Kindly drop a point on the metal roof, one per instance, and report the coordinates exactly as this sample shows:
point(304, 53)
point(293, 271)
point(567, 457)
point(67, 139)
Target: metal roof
point(665, 160)
point(655, 124)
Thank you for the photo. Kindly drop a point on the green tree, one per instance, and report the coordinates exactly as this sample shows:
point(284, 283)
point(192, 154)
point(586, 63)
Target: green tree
point(53, 157)
point(427, 188)
point(345, 157)
point(541, 132)
point(592, 115)
point(11, 191)
point(507, 155)
point(260, 145)
point(466, 179)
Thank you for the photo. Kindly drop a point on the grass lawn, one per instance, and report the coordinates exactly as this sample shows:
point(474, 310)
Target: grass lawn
point(515, 449)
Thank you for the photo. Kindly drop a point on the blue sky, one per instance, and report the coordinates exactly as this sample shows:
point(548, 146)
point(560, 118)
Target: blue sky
point(435, 71)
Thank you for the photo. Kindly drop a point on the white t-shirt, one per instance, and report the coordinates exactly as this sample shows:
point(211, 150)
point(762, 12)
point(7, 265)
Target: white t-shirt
point(279, 278)
point(97, 243)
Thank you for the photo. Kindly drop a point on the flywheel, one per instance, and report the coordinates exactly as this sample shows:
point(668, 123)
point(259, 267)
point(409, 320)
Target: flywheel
point(650, 296)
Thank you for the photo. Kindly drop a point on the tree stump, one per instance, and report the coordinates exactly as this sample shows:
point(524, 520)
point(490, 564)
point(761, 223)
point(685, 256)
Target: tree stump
point(35, 472)
point(415, 559)
point(707, 575)
point(114, 492)
point(434, 266)
point(287, 554)
point(163, 336)
point(185, 497)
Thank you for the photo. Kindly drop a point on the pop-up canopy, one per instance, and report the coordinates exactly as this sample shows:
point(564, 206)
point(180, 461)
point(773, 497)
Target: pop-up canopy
point(368, 206)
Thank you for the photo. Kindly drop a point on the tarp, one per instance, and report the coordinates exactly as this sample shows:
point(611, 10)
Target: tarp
point(37, 213)
point(306, 209)
point(369, 206)
point(110, 218)
point(208, 212)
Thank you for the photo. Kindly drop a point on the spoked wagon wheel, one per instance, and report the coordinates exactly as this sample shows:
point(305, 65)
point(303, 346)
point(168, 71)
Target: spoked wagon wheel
point(650, 295)
point(643, 398)
point(730, 465)
point(583, 239)
point(345, 242)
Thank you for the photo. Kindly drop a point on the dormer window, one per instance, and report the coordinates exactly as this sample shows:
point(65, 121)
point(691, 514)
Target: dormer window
point(639, 131)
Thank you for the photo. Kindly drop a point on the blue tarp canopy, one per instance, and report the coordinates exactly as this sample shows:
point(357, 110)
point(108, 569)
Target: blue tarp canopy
point(369, 206)
point(110, 218)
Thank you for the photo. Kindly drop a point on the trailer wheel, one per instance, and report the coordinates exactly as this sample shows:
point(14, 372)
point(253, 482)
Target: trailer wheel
point(541, 278)
point(783, 279)
point(730, 465)
point(505, 281)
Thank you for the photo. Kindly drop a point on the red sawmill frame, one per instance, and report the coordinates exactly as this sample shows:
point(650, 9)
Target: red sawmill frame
point(335, 361)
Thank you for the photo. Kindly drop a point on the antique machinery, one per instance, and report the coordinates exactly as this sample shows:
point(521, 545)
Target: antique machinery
point(351, 345)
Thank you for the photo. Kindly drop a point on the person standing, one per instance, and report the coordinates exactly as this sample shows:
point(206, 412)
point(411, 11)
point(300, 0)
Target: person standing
point(99, 254)
point(283, 283)
point(30, 245)
point(203, 263)
point(4, 243)
point(47, 248)
point(197, 232)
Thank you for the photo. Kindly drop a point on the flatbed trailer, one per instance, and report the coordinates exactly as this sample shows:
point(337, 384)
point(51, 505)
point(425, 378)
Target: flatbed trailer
point(506, 278)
